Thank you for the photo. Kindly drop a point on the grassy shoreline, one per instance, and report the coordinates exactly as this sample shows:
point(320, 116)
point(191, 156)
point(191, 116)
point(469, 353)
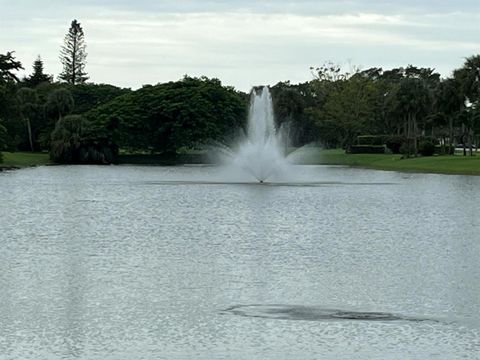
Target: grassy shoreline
point(450, 165)
point(18, 160)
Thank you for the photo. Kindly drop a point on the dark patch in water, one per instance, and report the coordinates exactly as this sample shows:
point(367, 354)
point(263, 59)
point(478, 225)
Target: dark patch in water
point(313, 313)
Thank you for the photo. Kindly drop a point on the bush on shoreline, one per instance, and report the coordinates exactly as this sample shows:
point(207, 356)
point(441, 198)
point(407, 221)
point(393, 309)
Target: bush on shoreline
point(73, 142)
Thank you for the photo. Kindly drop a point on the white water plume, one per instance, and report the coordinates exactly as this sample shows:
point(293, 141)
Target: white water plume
point(260, 154)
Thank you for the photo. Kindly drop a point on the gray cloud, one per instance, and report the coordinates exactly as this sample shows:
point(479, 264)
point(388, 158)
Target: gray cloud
point(241, 42)
point(298, 6)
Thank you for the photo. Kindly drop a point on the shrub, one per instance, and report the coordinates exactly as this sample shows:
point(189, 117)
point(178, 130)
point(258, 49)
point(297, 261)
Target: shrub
point(426, 148)
point(444, 150)
point(73, 143)
point(407, 149)
point(394, 143)
point(371, 140)
point(367, 149)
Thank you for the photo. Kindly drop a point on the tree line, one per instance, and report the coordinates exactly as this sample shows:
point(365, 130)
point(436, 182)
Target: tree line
point(407, 108)
point(411, 110)
point(80, 122)
point(91, 123)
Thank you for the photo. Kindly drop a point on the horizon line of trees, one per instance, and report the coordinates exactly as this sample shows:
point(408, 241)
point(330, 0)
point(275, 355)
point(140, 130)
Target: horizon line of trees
point(410, 107)
point(406, 108)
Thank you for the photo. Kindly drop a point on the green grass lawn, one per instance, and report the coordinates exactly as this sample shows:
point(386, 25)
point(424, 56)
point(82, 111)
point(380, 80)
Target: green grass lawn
point(469, 165)
point(24, 159)
point(434, 164)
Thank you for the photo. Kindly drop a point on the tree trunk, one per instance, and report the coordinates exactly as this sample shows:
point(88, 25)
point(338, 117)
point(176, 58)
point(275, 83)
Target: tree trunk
point(470, 141)
point(74, 58)
point(415, 129)
point(409, 135)
point(451, 149)
point(29, 129)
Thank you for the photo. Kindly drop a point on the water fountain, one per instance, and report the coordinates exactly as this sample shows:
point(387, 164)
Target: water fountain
point(260, 153)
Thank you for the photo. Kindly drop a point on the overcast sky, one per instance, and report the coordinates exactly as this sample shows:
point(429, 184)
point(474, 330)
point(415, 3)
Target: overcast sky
point(241, 42)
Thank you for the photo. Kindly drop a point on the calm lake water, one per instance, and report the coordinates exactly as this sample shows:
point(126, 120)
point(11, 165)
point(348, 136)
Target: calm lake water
point(130, 262)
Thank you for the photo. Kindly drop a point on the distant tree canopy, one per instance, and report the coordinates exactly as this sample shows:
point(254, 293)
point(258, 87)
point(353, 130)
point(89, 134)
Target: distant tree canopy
point(88, 96)
point(409, 109)
point(73, 56)
point(407, 106)
point(166, 117)
point(38, 76)
point(29, 109)
point(290, 103)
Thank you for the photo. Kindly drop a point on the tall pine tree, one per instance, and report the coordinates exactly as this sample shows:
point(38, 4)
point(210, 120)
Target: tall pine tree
point(38, 76)
point(73, 56)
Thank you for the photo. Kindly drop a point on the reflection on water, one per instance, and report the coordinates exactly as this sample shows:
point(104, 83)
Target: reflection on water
point(109, 263)
point(263, 183)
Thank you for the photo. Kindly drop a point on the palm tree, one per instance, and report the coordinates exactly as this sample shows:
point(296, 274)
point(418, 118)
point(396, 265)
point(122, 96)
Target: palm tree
point(67, 138)
point(469, 75)
point(450, 102)
point(28, 100)
point(60, 102)
point(413, 100)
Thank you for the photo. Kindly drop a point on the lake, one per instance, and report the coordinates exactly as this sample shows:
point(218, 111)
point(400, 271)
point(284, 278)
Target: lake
point(132, 262)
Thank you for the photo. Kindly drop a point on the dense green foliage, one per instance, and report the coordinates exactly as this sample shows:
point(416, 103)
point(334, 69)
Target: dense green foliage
point(408, 110)
point(427, 147)
point(30, 108)
point(366, 149)
point(73, 142)
point(400, 106)
point(88, 96)
point(170, 116)
point(290, 106)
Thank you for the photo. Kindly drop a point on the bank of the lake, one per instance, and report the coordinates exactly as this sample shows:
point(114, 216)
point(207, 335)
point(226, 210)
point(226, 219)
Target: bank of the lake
point(17, 160)
point(457, 164)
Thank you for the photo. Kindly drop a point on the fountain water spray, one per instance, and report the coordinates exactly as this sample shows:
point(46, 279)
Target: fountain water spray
point(260, 153)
